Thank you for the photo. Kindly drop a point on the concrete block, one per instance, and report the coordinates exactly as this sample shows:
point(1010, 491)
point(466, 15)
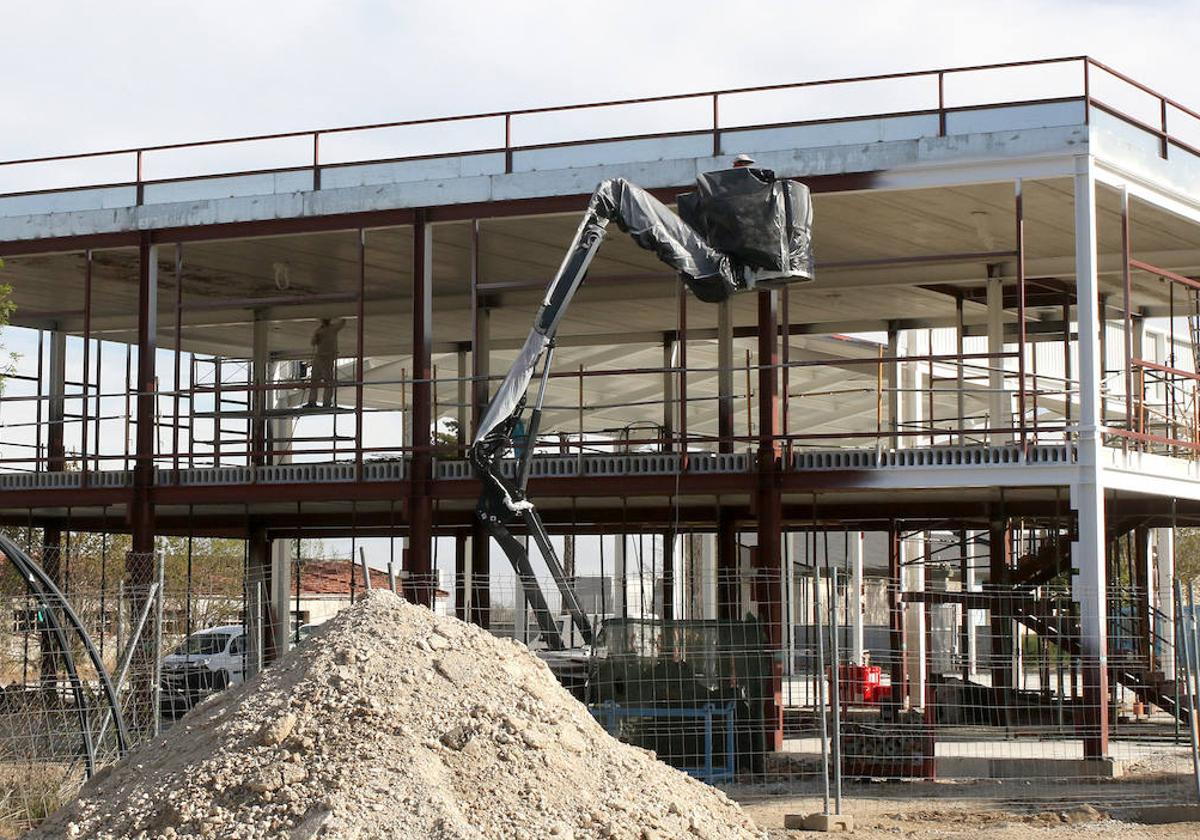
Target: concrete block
point(819, 822)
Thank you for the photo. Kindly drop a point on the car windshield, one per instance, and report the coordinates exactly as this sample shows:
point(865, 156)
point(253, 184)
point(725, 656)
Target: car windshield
point(203, 644)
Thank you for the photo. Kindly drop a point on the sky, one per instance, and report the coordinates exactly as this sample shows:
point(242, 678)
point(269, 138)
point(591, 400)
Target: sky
point(84, 76)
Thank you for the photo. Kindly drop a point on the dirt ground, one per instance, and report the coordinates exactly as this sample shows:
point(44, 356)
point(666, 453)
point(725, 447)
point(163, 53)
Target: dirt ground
point(926, 815)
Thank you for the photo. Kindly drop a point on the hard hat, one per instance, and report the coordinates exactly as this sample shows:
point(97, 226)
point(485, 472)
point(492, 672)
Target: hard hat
point(743, 160)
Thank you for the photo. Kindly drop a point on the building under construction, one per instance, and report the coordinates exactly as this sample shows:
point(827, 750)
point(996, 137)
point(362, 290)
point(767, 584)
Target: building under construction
point(981, 419)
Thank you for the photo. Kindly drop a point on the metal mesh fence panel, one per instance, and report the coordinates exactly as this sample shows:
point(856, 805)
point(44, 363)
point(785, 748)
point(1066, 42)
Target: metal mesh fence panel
point(52, 707)
point(808, 682)
point(993, 692)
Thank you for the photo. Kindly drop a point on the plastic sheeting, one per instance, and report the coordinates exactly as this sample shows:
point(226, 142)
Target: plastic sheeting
point(762, 223)
point(653, 226)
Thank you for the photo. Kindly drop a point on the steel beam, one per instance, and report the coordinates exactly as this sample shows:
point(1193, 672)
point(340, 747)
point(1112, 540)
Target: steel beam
point(419, 557)
point(768, 570)
point(480, 397)
point(728, 563)
point(725, 331)
point(999, 566)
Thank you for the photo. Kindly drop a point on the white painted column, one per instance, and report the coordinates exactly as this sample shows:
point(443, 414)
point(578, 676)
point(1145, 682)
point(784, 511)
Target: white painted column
point(1157, 392)
point(281, 593)
point(281, 429)
point(263, 434)
point(56, 412)
point(1088, 553)
point(858, 600)
point(911, 374)
point(891, 381)
point(912, 576)
point(999, 402)
point(462, 414)
point(747, 542)
point(620, 578)
point(708, 576)
point(1163, 548)
point(971, 584)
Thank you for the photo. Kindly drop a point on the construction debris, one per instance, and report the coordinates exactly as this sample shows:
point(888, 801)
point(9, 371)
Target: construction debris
point(390, 722)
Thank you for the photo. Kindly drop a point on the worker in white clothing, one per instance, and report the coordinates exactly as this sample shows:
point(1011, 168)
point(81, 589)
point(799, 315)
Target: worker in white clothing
point(324, 362)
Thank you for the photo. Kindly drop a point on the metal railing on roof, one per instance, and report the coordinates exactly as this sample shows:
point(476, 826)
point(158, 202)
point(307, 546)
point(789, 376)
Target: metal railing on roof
point(498, 130)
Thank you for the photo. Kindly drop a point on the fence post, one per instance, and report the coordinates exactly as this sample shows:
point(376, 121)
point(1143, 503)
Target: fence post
point(820, 706)
point(1194, 676)
point(1187, 628)
point(835, 691)
point(158, 638)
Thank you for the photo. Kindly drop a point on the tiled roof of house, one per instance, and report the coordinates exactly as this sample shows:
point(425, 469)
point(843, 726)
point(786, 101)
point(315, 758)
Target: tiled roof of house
point(332, 577)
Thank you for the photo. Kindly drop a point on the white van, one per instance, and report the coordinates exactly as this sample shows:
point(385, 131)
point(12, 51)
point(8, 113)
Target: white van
point(207, 661)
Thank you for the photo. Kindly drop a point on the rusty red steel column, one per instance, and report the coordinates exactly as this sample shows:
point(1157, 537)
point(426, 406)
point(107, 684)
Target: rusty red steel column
point(941, 90)
point(84, 377)
point(1021, 334)
point(1165, 137)
point(727, 582)
point(142, 508)
point(896, 643)
point(1087, 91)
point(177, 400)
point(1127, 317)
point(52, 530)
point(785, 337)
point(420, 504)
point(316, 160)
point(999, 582)
point(360, 366)
point(716, 121)
point(769, 511)
point(683, 380)
point(460, 576)
point(261, 630)
point(481, 598)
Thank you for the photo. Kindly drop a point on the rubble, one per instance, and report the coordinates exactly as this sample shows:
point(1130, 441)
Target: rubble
point(389, 722)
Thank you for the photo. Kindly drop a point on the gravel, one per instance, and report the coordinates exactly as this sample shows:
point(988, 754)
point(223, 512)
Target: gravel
point(389, 722)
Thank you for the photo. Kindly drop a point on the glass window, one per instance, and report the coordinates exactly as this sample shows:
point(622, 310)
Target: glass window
point(203, 644)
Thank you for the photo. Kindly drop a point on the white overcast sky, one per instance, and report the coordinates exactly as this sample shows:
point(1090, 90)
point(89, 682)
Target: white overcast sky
point(87, 75)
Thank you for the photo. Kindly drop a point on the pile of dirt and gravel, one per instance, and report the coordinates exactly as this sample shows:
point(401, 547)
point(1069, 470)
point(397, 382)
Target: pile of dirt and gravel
point(391, 721)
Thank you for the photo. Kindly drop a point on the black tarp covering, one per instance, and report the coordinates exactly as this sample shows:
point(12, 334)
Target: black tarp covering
point(761, 222)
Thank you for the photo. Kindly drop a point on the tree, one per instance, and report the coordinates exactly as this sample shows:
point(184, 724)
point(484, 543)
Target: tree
point(1187, 553)
point(6, 310)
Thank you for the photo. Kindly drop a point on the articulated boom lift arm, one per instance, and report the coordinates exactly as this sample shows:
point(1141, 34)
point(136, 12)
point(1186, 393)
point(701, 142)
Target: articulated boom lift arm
point(711, 274)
